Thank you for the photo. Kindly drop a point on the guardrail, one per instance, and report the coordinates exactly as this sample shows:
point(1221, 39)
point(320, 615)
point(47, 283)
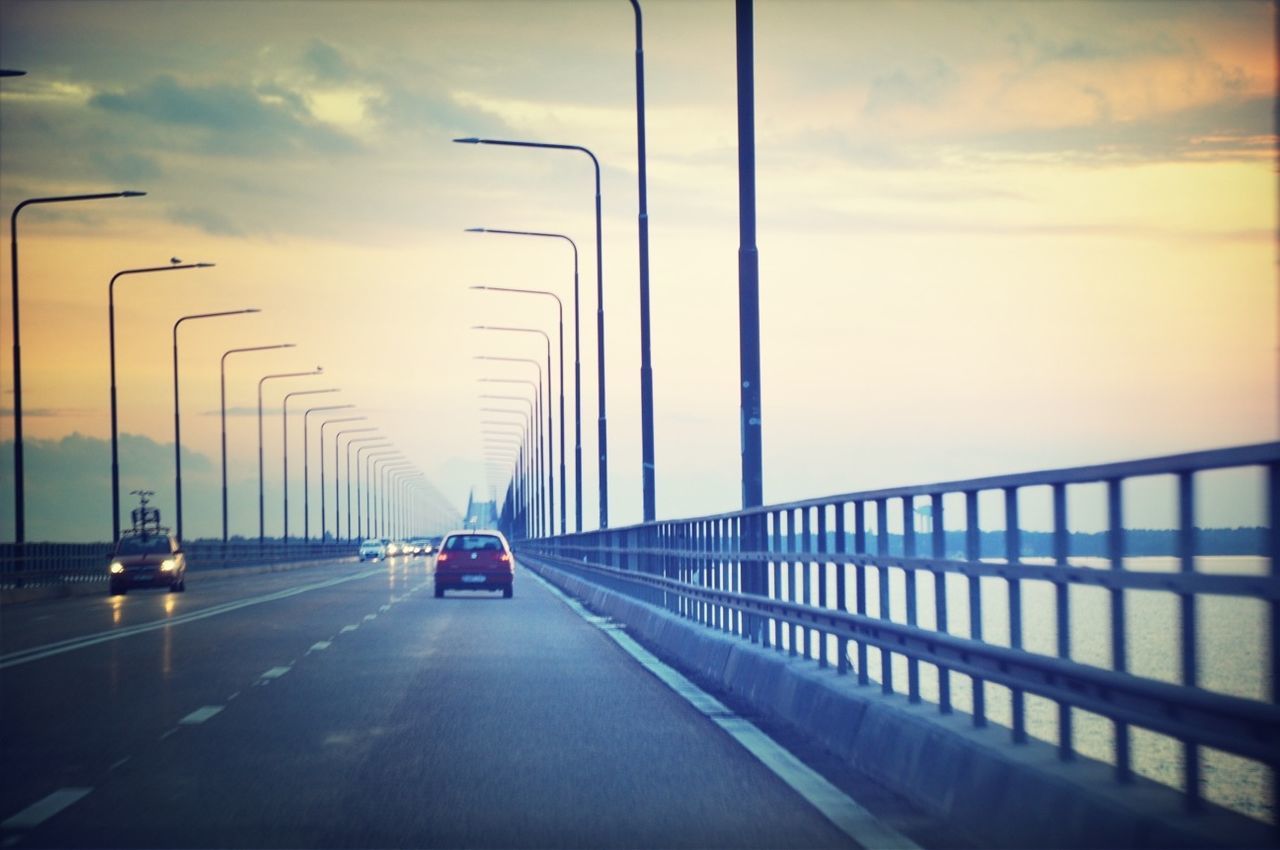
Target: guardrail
point(42, 564)
point(865, 582)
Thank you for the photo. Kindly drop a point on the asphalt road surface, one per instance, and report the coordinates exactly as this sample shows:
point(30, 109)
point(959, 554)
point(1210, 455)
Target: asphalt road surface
point(344, 706)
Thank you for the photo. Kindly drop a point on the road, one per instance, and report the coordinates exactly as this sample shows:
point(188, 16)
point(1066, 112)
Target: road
point(344, 706)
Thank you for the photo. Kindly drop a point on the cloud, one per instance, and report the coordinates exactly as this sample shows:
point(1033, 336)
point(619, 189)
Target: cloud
point(326, 62)
point(230, 120)
point(209, 220)
point(126, 167)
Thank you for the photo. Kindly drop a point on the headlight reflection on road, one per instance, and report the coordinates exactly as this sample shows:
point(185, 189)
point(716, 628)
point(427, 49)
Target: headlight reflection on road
point(170, 603)
point(117, 603)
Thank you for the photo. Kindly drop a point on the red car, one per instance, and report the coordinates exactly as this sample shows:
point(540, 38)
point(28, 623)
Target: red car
point(474, 560)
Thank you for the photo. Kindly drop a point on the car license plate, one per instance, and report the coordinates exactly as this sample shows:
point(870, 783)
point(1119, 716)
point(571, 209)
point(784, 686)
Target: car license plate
point(473, 579)
point(142, 576)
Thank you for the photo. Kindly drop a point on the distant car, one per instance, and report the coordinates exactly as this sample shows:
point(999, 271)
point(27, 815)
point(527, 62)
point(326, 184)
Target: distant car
point(395, 547)
point(147, 559)
point(374, 549)
point(421, 545)
point(474, 560)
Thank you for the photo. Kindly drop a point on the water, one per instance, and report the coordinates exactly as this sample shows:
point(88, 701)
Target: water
point(1231, 652)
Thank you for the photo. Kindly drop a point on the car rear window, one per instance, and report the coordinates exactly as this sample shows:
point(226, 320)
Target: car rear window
point(143, 546)
point(473, 543)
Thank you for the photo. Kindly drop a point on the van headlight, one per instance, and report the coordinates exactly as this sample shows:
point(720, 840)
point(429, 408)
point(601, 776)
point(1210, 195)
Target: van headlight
point(168, 565)
point(116, 568)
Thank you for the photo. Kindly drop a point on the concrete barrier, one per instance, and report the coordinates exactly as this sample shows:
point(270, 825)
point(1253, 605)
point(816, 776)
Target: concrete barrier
point(991, 791)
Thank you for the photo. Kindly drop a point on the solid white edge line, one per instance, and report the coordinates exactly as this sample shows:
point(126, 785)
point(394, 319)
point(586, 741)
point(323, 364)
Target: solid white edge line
point(836, 806)
point(41, 810)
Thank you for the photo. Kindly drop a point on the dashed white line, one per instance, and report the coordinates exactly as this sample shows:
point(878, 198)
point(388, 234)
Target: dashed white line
point(120, 763)
point(233, 696)
point(346, 629)
point(172, 731)
point(41, 810)
point(200, 715)
point(275, 672)
point(319, 645)
point(844, 812)
point(368, 617)
point(384, 609)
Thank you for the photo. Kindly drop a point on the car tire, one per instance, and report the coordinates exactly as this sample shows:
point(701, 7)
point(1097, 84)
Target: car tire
point(506, 592)
point(439, 592)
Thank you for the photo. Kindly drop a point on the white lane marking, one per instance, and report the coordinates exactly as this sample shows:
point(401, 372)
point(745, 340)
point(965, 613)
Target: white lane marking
point(319, 645)
point(24, 656)
point(120, 763)
point(384, 609)
point(233, 696)
point(172, 731)
point(275, 673)
point(836, 806)
point(41, 810)
point(346, 629)
point(200, 715)
point(368, 617)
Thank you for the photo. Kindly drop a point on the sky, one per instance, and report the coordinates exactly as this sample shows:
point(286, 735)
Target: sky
point(994, 237)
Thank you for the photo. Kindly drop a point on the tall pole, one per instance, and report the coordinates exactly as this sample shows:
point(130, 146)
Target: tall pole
point(351, 443)
point(560, 324)
point(538, 452)
point(262, 502)
point(222, 372)
point(324, 425)
point(551, 483)
point(748, 266)
point(577, 370)
point(284, 442)
point(646, 360)
point(604, 436)
point(362, 512)
point(306, 468)
point(111, 337)
point(177, 422)
point(19, 473)
point(337, 505)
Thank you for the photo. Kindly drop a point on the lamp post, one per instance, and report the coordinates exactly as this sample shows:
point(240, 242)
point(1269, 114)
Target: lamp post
point(577, 369)
point(542, 464)
point(19, 476)
point(603, 437)
point(560, 316)
point(351, 443)
point(177, 428)
point(551, 484)
point(748, 265)
point(262, 502)
point(532, 466)
point(222, 370)
point(284, 441)
point(324, 425)
point(646, 355)
point(361, 527)
point(337, 504)
point(370, 496)
point(111, 337)
point(306, 468)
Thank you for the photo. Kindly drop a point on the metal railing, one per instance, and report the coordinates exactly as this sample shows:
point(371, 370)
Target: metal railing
point(43, 564)
point(869, 583)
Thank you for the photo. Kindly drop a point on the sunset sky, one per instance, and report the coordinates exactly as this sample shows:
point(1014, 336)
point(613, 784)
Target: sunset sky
point(994, 237)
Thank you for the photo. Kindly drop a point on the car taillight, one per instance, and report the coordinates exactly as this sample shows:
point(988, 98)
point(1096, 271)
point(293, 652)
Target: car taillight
point(504, 558)
point(441, 557)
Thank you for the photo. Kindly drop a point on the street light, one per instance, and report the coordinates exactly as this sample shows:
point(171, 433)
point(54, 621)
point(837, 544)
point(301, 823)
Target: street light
point(324, 425)
point(351, 443)
point(542, 464)
point(284, 440)
point(551, 484)
point(177, 429)
point(603, 437)
point(222, 369)
point(577, 367)
point(111, 337)
point(337, 503)
point(361, 528)
point(646, 355)
point(369, 496)
point(19, 482)
point(306, 469)
point(262, 502)
point(560, 314)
